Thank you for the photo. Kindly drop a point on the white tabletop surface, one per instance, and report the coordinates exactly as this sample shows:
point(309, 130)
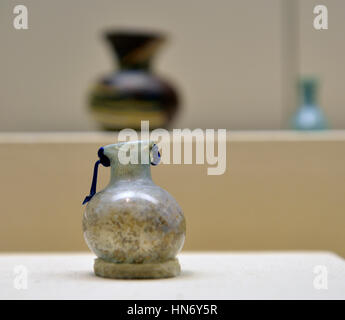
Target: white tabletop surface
point(251, 275)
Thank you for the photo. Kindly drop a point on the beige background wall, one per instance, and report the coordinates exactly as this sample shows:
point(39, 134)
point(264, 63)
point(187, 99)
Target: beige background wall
point(234, 60)
point(281, 191)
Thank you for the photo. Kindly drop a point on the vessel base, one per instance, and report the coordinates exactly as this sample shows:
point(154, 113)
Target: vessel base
point(166, 269)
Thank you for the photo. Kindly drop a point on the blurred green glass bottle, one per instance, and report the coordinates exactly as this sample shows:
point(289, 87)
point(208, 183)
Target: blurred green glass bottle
point(309, 116)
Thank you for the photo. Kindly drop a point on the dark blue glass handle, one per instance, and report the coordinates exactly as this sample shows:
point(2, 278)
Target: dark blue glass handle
point(104, 160)
point(155, 155)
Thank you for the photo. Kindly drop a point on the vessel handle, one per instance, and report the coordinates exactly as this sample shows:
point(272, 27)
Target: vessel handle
point(155, 155)
point(104, 160)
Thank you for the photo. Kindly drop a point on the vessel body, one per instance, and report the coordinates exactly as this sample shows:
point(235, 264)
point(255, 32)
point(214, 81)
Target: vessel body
point(134, 222)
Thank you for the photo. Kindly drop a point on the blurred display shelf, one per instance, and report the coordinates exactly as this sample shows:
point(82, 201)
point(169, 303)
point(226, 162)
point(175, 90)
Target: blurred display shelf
point(110, 137)
point(270, 275)
point(282, 190)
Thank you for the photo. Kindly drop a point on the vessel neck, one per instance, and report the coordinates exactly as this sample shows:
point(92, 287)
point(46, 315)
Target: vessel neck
point(309, 91)
point(129, 173)
point(134, 51)
point(142, 66)
point(129, 161)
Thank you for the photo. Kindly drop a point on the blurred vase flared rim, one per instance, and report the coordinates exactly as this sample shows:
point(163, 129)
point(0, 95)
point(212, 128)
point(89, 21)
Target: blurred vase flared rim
point(134, 33)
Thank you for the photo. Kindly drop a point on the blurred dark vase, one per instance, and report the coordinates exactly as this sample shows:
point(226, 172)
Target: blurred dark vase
point(133, 93)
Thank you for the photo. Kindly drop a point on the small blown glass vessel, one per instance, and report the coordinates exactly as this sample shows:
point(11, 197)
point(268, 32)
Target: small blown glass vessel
point(309, 116)
point(134, 227)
